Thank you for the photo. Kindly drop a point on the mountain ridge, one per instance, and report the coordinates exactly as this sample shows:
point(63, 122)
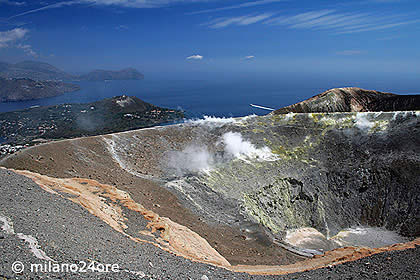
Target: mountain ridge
point(353, 99)
point(32, 70)
point(22, 89)
point(102, 75)
point(37, 70)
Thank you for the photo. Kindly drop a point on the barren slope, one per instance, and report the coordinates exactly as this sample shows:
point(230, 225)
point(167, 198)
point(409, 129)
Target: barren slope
point(245, 184)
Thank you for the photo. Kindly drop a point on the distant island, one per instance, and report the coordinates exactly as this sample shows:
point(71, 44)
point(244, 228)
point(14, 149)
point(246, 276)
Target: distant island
point(21, 89)
point(64, 121)
point(40, 71)
point(353, 99)
point(103, 75)
point(33, 70)
point(29, 80)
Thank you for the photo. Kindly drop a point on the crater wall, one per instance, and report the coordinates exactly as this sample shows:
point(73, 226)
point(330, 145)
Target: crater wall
point(273, 174)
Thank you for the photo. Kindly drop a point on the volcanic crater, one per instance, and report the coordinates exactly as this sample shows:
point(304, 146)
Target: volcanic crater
point(270, 194)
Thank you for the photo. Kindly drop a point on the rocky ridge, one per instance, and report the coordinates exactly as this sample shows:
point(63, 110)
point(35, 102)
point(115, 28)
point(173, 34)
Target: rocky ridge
point(353, 99)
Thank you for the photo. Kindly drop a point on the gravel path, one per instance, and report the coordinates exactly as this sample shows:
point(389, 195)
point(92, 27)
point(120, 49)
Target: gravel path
point(68, 234)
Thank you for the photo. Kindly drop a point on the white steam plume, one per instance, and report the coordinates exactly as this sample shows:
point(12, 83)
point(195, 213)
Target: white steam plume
point(192, 159)
point(196, 158)
point(212, 121)
point(237, 147)
point(362, 122)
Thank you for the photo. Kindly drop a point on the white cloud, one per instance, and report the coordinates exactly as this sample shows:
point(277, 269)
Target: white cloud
point(28, 50)
point(140, 4)
point(195, 57)
point(243, 5)
point(253, 19)
point(349, 52)
point(8, 38)
point(13, 3)
point(342, 23)
point(12, 37)
point(373, 27)
point(134, 3)
point(52, 6)
point(120, 3)
point(302, 17)
point(121, 27)
point(384, 1)
point(241, 20)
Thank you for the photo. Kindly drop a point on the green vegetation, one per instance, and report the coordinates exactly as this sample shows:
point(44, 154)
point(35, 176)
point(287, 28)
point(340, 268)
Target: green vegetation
point(75, 120)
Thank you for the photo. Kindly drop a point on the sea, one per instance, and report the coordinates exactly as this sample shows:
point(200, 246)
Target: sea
point(198, 98)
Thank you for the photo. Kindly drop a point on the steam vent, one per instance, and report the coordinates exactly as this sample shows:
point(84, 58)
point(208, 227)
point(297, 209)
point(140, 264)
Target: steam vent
point(332, 179)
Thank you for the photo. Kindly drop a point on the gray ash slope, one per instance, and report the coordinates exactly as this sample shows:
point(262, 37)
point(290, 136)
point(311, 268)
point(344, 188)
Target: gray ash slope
point(67, 233)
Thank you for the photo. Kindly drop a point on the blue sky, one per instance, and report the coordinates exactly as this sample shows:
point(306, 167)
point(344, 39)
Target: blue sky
point(315, 37)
